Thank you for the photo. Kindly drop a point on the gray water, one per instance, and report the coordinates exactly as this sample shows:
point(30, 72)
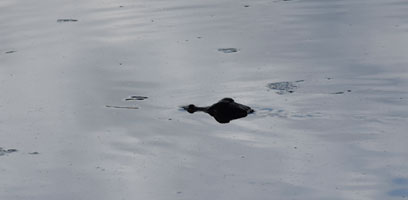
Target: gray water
point(67, 68)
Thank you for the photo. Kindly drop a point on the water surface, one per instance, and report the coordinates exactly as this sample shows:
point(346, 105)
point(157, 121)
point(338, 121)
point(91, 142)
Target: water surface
point(340, 134)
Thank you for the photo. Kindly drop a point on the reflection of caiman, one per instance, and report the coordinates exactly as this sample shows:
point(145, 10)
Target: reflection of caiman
point(223, 111)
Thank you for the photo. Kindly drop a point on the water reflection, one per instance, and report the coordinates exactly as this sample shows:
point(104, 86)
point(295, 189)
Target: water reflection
point(402, 185)
point(399, 193)
point(400, 181)
point(307, 140)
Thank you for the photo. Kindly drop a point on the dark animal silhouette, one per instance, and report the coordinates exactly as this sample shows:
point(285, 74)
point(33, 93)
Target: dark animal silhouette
point(223, 111)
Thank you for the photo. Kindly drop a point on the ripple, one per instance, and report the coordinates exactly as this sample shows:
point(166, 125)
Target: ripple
point(135, 97)
point(285, 114)
point(6, 151)
point(66, 20)
point(228, 50)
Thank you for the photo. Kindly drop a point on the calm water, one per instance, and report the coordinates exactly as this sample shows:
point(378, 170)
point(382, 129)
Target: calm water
point(339, 134)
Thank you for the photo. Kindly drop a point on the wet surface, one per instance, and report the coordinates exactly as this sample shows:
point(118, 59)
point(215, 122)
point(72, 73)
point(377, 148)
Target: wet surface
point(310, 144)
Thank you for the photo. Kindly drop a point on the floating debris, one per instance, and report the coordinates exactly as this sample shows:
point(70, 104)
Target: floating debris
point(246, 6)
point(6, 151)
point(124, 107)
point(10, 52)
point(132, 98)
point(284, 87)
point(34, 153)
point(66, 20)
point(228, 50)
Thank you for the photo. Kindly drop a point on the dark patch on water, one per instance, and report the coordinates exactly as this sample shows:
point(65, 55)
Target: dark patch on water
point(284, 87)
point(133, 98)
point(34, 153)
point(6, 151)
point(341, 92)
point(246, 6)
point(228, 50)
point(66, 20)
point(8, 52)
point(11, 150)
point(122, 107)
point(100, 168)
